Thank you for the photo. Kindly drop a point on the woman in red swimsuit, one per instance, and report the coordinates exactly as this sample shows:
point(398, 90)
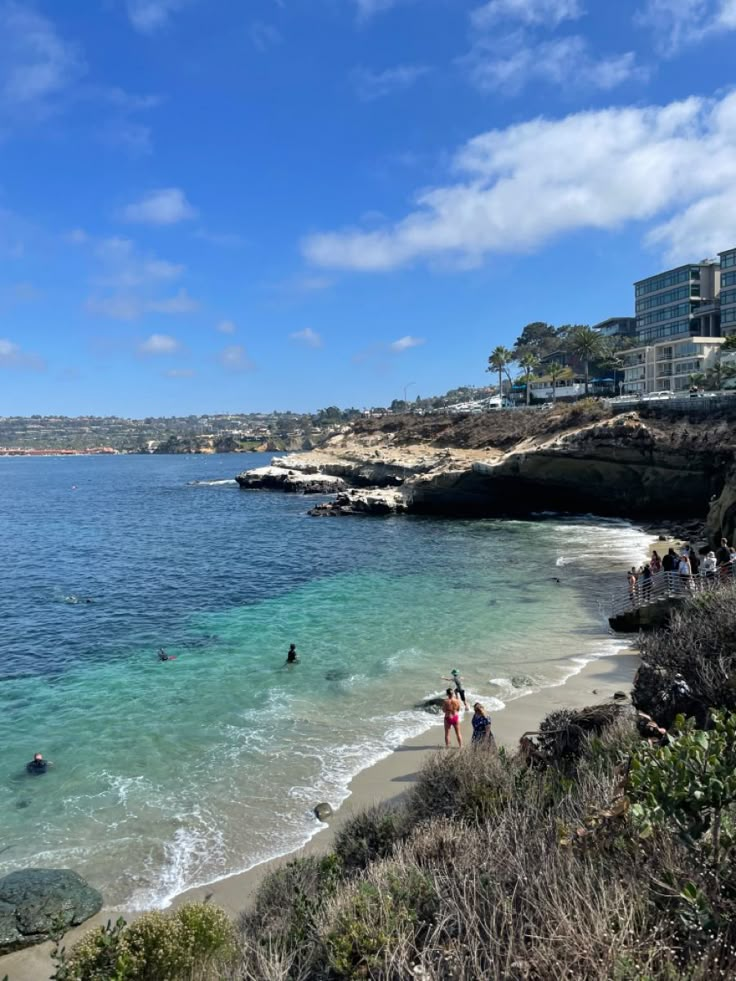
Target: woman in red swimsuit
point(451, 708)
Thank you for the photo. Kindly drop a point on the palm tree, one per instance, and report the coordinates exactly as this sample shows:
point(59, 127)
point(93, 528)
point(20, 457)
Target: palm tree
point(528, 362)
point(554, 370)
point(586, 344)
point(499, 359)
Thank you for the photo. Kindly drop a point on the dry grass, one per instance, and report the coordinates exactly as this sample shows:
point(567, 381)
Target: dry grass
point(697, 648)
point(481, 876)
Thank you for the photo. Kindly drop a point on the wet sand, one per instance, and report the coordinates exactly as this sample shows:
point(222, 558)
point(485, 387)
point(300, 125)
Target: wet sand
point(384, 781)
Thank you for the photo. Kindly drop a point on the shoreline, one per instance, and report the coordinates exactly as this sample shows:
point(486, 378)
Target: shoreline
point(381, 782)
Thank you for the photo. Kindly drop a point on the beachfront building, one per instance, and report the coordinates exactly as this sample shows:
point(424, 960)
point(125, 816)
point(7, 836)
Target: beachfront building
point(667, 366)
point(569, 386)
point(672, 303)
point(728, 292)
point(617, 327)
point(678, 328)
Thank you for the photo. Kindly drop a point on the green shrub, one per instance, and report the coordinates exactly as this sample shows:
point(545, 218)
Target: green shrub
point(368, 836)
point(689, 783)
point(156, 947)
point(393, 909)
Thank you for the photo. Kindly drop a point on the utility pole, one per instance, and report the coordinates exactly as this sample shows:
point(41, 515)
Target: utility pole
point(406, 388)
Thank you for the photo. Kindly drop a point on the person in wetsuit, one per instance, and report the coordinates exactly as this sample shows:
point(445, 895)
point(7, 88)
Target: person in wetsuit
point(459, 686)
point(292, 657)
point(37, 765)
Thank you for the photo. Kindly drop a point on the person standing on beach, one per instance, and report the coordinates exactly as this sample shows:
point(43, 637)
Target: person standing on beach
point(451, 709)
point(482, 735)
point(459, 686)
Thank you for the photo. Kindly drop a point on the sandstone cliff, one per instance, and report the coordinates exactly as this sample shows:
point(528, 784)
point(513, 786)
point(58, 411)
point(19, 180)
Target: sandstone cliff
point(575, 459)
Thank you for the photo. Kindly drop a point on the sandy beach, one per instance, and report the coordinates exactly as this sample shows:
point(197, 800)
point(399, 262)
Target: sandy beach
point(384, 781)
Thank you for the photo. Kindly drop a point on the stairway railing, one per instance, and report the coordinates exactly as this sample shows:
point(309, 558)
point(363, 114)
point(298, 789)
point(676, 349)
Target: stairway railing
point(668, 585)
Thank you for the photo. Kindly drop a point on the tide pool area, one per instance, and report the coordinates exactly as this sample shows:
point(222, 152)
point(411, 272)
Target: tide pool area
point(173, 774)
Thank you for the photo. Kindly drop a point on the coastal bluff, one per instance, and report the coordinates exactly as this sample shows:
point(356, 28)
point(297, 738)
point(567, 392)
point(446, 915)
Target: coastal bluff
point(576, 458)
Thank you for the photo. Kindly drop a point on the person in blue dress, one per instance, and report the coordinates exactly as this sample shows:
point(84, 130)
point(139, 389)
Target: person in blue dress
point(482, 735)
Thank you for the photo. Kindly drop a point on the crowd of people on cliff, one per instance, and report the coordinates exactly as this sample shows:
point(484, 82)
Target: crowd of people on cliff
point(693, 569)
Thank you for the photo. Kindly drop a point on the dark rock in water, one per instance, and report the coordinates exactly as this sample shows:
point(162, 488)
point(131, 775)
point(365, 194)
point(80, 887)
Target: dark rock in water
point(35, 902)
point(621, 696)
point(522, 681)
point(339, 674)
point(322, 812)
point(432, 705)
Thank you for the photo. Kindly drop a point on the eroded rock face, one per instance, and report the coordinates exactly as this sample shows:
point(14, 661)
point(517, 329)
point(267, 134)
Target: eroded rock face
point(34, 902)
point(377, 501)
point(292, 481)
point(612, 469)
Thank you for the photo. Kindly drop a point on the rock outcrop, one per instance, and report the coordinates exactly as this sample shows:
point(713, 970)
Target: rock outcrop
point(35, 902)
point(376, 501)
point(627, 466)
point(293, 481)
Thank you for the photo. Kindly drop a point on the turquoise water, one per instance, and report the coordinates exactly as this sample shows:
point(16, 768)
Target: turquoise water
point(170, 775)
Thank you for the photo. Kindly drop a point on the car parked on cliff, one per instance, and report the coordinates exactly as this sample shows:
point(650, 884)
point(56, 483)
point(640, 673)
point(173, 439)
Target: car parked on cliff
point(658, 396)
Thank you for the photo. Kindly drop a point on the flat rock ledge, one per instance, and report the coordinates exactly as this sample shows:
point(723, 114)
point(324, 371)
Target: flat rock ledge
point(291, 481)
point(35, 902)
point(376, 501)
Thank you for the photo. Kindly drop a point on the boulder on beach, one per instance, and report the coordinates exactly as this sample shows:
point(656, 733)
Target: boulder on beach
point(34, 903)
point(322, 812)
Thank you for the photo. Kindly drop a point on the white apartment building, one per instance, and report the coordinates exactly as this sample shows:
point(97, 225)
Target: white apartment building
point(667, 366)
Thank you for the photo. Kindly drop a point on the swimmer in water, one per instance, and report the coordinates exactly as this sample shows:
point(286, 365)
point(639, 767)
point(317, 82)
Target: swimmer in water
point(38, 765)
point(292, 657)
point(163, 656)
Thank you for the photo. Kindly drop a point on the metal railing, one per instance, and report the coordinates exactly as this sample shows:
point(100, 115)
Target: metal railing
point(669, 585)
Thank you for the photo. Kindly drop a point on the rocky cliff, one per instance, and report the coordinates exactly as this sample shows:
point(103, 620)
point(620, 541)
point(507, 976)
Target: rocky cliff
point(516, 463)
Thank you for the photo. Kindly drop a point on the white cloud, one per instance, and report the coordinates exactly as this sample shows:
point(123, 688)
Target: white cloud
point(159, 344)
point(368, 8)
point(124, 267)
point(307, 336)
point(179, 373)
point(125, 134)
point(698, 232)
point(509, 63)
point(36, 64)
point(149, 16)
point(518, 188)
point(679, 23)
point(77, 236)
point(166, 206)
point(405, 343)
point(373, 85)
point(235, 358)
point(226, 327)
point(12, 356)
point(264, 36)
point(549, 13)
point(134, 279)
point(181, 303)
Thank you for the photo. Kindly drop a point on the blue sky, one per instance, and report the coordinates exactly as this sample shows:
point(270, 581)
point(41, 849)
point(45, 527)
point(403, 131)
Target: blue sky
point(234, 205)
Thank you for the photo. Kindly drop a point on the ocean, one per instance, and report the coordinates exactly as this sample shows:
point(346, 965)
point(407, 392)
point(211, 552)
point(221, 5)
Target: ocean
point(169, 775)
